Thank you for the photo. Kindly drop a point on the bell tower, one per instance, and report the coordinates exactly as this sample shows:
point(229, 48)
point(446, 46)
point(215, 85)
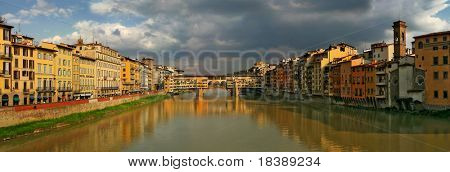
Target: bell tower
point(399, 39)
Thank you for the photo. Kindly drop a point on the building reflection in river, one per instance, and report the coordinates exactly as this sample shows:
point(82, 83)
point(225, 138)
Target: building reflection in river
point(312, 126)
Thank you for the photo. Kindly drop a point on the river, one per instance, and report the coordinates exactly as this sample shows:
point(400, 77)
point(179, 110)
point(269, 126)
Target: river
point(217, 122)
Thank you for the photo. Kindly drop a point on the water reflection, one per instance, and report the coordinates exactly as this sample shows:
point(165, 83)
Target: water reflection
point(226, 124)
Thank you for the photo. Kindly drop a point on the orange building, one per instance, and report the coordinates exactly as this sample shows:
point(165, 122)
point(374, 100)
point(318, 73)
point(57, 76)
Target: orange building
point(347, 76)
point(358, 82)
point(346, 79)
point(371, 84)
point(432, 56)
point(335, 79)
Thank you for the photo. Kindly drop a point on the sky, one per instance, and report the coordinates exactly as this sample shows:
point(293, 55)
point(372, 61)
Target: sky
point(235, 33)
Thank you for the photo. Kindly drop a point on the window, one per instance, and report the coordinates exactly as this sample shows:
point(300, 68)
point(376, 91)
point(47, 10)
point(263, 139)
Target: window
point(436, 75)
point(420, 45)
point(16, 63)
point(435, 61)
point(445, 94)
point(445, 75)
point(6, 67)
point(445, 60)
point(427, 40)
point(444, 38)
point(25, 52)
point(16, 85)
point(24, 64)
point(444, 47)
point(434, 39)
point(435, 48)
point(6, 83)
point(16, 51)
point(7, 51)
point(436, 94)
point(6, 34)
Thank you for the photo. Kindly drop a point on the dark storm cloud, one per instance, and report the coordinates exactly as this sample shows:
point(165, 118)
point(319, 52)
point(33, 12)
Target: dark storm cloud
point(116, 32)
point(297, 25)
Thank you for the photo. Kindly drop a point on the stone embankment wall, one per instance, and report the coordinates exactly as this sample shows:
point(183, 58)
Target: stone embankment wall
point(21, 114)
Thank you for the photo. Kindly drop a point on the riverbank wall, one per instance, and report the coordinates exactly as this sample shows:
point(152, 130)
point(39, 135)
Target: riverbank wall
point(406, 105)
point(22, 114)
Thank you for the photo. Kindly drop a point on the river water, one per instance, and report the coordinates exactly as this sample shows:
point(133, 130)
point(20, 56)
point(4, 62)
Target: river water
point(217, 122)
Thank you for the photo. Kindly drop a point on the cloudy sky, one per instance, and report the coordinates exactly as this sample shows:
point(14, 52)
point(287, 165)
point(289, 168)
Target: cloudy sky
point(133, 26)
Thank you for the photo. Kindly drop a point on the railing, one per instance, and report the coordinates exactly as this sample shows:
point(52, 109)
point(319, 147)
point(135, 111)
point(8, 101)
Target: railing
point(109, 88)
point(3, 72)
point(6, 56)
point(26, 91)
point(380, 96)
point(44, 89)
point(64, 89)
point(381, 83)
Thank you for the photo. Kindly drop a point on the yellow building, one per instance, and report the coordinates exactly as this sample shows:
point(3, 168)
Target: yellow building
point(432, 56)
point(107, 66)
point(130, 76)
point(45, 75)
point(23, 70)
point(63, 70)
point(5, 63)
point(321, 67)
point(76, 76)
point(87, 77)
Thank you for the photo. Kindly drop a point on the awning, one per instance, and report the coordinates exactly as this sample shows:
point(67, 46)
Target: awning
point(5, 100)
point(16, 99)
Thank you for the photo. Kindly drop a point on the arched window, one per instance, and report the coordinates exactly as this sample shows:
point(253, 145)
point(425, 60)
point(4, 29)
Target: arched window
point(5, 100)
point(420, 45)
point(16, 100)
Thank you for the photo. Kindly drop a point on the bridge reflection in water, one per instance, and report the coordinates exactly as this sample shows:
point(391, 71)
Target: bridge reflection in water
point(219, 122)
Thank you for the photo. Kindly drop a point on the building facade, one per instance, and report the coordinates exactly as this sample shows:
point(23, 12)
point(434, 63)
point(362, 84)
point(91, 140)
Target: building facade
point(5, 63)
point(107, 66)
point(23, 77)
point(45, 75)
point(63, 62)
point(431, 55)
point(130, 75)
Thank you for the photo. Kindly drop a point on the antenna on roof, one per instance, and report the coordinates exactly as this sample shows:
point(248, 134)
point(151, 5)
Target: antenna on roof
point(19, 29)
point(93, 37)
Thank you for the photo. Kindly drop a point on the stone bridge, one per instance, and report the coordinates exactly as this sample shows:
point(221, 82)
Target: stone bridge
point(234, 84)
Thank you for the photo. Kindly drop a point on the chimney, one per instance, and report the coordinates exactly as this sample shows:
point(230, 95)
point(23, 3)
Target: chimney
point(399, 39)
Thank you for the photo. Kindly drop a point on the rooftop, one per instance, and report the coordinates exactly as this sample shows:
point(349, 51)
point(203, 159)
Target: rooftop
point(433, 34)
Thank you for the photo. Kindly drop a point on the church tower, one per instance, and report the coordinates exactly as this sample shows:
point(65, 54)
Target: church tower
point(399, 39)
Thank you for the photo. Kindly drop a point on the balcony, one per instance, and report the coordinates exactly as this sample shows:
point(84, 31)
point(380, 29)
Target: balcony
point(26, 91)
point(381, 73)
point(382, 83)
point(380, 96)
point(64, 89)
point(109, 88)
point(5, 56)
point(128, 83)
point(5, 73)
point(45, 89)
